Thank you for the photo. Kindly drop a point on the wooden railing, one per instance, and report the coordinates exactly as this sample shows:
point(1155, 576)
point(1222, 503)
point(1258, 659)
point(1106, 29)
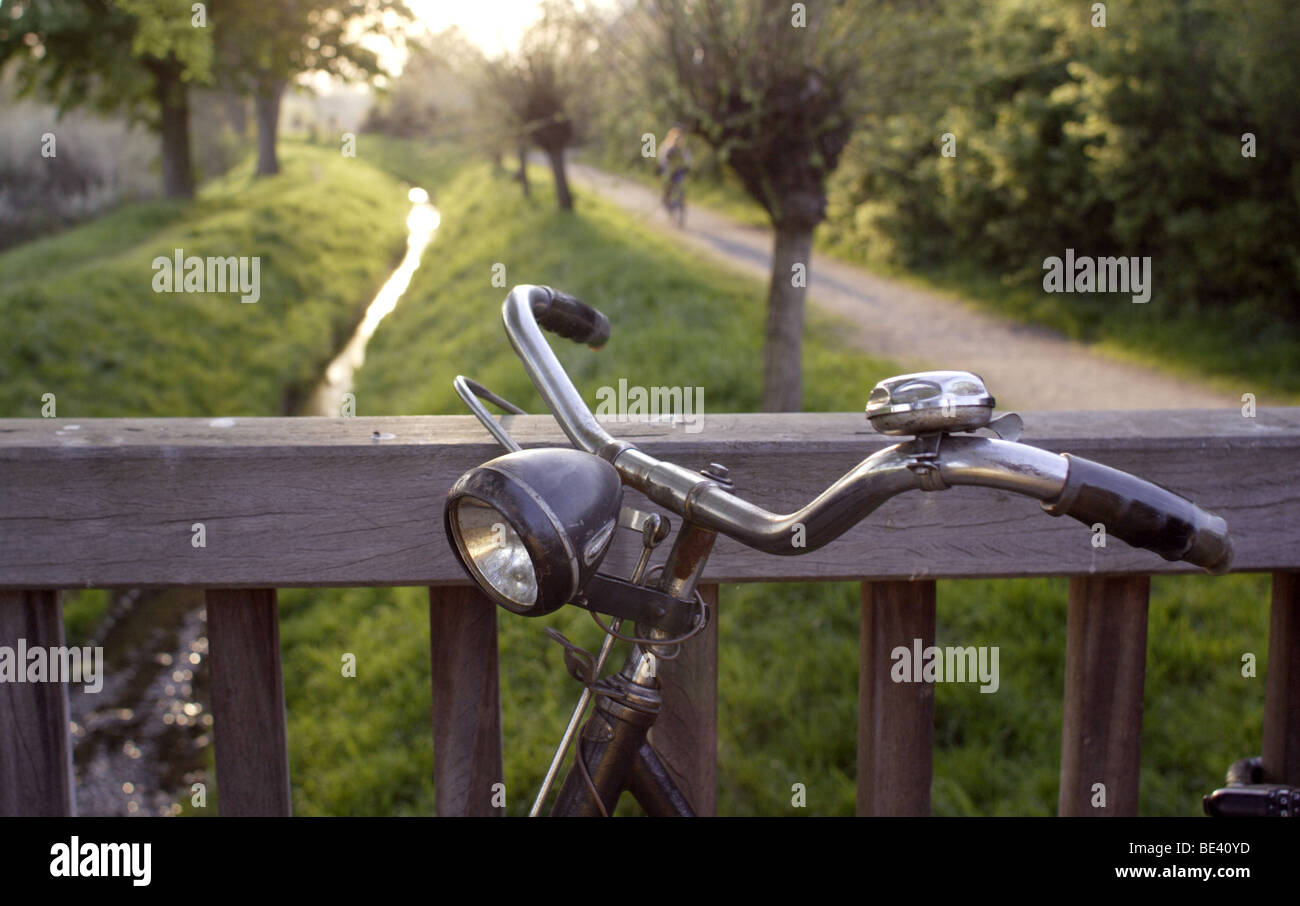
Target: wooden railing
point(335, 502)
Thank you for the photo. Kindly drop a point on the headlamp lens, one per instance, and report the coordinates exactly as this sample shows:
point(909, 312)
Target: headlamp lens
point(496, 551)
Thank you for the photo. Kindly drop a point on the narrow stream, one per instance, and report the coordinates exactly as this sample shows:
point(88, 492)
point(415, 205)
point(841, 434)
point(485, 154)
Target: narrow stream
point(421, 224)
point(140, 743)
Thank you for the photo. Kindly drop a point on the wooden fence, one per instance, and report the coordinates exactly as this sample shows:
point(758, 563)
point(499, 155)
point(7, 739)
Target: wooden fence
point(338, 502)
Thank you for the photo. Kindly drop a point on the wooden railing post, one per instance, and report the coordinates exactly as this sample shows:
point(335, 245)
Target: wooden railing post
point(1282, 692)
point(895, 720)
point(468, 775)
point(1105, 669)
point(686, 732)
point(35, 748)
point(252, 748)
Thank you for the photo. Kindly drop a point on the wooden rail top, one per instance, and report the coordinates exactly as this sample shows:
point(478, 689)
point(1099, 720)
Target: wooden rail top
point(358, 501)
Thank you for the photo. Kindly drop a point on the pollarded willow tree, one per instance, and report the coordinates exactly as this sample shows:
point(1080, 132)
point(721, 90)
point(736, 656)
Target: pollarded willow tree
point(542, 89)
point(777, 89)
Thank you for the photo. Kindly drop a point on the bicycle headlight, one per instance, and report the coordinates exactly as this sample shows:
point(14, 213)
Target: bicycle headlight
point(531, 527)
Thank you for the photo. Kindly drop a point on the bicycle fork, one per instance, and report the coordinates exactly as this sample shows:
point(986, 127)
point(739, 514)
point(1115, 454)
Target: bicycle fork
point(614, 749)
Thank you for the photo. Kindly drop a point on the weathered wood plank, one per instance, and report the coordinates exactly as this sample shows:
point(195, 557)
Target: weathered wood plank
point(320, 502)
point(1282, 693)
point(252, 748)
point(686, 732)
point(35, 748)
point(1105, 669)
point(467, 760)
point(895, 720)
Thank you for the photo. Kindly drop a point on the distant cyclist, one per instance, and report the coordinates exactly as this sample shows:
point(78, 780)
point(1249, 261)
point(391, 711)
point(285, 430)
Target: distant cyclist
point(674, 164)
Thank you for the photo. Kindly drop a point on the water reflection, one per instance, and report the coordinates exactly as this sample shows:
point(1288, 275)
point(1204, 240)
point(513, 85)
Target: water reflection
point(421, 225)
point(141, 742)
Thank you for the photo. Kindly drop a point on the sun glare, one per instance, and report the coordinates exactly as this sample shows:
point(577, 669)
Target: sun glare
point(494, 25)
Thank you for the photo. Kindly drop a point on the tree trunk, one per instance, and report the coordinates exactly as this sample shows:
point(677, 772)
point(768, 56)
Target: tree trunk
point(174, 129)
point(522, 175)
point(782, 352)
point(236, 112)
point(266, 104)
point(562, 196)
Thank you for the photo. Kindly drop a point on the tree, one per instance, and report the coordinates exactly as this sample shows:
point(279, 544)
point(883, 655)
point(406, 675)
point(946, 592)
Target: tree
point(1170, 108)
point(1133, 139)
point(71, 52)
point(264, 44)
point(777, 90)
point(541, 87)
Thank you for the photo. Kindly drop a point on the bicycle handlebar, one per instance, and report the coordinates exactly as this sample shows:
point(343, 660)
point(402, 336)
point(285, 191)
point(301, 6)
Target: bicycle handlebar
point(1134, 510)
point(1143, 514)
point(571, 318)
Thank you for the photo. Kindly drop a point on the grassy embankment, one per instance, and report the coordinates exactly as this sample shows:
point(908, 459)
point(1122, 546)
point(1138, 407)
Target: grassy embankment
point(788, 653)
point(82, 320)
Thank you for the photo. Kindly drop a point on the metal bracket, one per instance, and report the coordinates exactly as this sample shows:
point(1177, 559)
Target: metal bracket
point(637, 520)
point(648, 607)
point(924, 461)
point(1007, 427)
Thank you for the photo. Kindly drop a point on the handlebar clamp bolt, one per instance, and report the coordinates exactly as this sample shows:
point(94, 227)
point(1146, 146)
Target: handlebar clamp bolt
point(718, 472)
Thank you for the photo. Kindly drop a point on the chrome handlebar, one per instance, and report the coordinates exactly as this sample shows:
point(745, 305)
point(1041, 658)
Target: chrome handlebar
point(1151, 516)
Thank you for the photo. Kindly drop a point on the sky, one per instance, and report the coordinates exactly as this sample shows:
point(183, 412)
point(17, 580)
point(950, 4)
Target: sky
point(494, 25)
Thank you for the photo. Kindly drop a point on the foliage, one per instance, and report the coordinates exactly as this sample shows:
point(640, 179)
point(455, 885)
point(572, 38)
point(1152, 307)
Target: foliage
point(1119, 140)
point(779, 92)
point(71, 51)
point(166, 28)
point(261, 42)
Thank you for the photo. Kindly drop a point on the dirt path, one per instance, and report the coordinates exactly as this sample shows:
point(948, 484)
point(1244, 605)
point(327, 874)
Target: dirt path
point(1025, 367)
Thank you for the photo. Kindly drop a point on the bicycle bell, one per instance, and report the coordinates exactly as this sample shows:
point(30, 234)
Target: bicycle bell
point(930, 402)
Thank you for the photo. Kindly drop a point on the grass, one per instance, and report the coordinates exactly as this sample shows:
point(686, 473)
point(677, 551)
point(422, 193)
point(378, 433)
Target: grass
point(88, 327)
point(84, 324)
point(788, 653)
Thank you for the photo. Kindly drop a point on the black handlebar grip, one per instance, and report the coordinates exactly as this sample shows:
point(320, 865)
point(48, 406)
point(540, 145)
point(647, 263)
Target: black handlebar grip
point(1143, 514)
point(569, 317)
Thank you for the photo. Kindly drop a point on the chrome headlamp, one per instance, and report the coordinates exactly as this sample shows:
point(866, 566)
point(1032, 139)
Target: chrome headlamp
point(531, 527)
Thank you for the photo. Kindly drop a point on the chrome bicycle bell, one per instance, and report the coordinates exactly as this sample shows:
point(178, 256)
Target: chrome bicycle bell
point(930, 402)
